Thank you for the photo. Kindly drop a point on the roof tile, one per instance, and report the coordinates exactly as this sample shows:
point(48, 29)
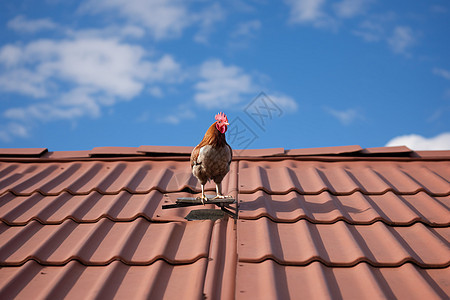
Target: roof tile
point(105, 177)
point(115, 280)
point(135, 243)
point(20, 210)
point(269, 280)
point(355, 208)
point(337, 222)
point(341, 244)
point(341, 178)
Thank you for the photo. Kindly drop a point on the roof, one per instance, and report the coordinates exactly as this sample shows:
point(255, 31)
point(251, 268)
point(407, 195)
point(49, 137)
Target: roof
point(335, 222)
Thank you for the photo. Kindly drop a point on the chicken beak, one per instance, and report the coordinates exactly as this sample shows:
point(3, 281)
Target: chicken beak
point(226, 123)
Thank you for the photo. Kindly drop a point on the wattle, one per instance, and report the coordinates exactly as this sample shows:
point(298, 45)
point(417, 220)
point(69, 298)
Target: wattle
point(222, 129)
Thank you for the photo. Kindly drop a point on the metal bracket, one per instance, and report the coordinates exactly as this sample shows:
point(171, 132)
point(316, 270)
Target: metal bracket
point(224, 204)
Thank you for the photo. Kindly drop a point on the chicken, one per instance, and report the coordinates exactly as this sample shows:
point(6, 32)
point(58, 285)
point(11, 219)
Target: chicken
point(212, 157)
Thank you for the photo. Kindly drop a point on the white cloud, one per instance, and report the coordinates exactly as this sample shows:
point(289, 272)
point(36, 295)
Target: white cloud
point(346, 117)
point(305, 10)
point(46, 112)
point(401, 39)
point(207, 18)
point(11, 130)
point(156, 91)
point(417, 142)
point(246, 29)
point(164, 18)
point(103, 64)
point(311, 12)
point(442, 73)
point(10, 55)
point(351, 8)
point(370, 31)
point(113, 32)
point(374, 27)
point(166, 69)
point(383, 28)
point(243, 33)
point(320, 14)
point(222, 86)
point(286, 103)
point(70, 105)
point(181, 113)
point(22, 24)
point(106, 65)
point(24, 81)
point(76, 77)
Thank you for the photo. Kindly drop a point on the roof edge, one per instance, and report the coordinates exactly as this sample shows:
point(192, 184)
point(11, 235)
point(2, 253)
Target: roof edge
point(184, 152)
point(324, 150)
point(22, 152)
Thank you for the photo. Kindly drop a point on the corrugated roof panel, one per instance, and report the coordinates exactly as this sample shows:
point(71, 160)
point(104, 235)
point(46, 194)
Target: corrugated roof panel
point(138, 242)
point(369, 177)
point(355, 208)
point(160, 280)
point(106, 177)
point(341, 244)
point(269, 280)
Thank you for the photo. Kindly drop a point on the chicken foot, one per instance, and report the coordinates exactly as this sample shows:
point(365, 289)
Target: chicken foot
point(203, 198)
point(219, 192)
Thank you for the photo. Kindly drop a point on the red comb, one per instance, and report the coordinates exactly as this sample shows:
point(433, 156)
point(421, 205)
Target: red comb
point(221, 116)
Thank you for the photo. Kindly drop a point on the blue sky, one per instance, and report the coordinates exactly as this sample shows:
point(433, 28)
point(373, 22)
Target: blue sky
point(295, 74)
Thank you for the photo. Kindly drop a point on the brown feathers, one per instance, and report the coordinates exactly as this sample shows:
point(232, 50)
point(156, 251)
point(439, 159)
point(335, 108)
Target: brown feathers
point(212, 137)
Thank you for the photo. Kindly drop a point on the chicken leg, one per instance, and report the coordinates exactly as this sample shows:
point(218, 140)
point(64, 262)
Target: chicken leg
point(203, 198)
point(219, 192)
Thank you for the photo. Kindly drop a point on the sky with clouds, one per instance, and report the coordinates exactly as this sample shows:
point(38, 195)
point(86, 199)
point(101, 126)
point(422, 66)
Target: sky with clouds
point(75, 75)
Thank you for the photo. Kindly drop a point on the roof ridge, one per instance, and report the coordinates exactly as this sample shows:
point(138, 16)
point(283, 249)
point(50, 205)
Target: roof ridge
point(184, 151)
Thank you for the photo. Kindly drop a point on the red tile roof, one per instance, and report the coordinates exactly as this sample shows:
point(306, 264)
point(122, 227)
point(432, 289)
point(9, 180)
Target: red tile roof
point(335, 222)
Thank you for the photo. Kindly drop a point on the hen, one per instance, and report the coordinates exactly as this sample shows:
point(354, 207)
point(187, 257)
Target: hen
point(212, 157)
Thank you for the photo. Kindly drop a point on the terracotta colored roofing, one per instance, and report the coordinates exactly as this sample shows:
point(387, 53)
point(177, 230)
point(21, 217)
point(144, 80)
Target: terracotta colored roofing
point(335, 222)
